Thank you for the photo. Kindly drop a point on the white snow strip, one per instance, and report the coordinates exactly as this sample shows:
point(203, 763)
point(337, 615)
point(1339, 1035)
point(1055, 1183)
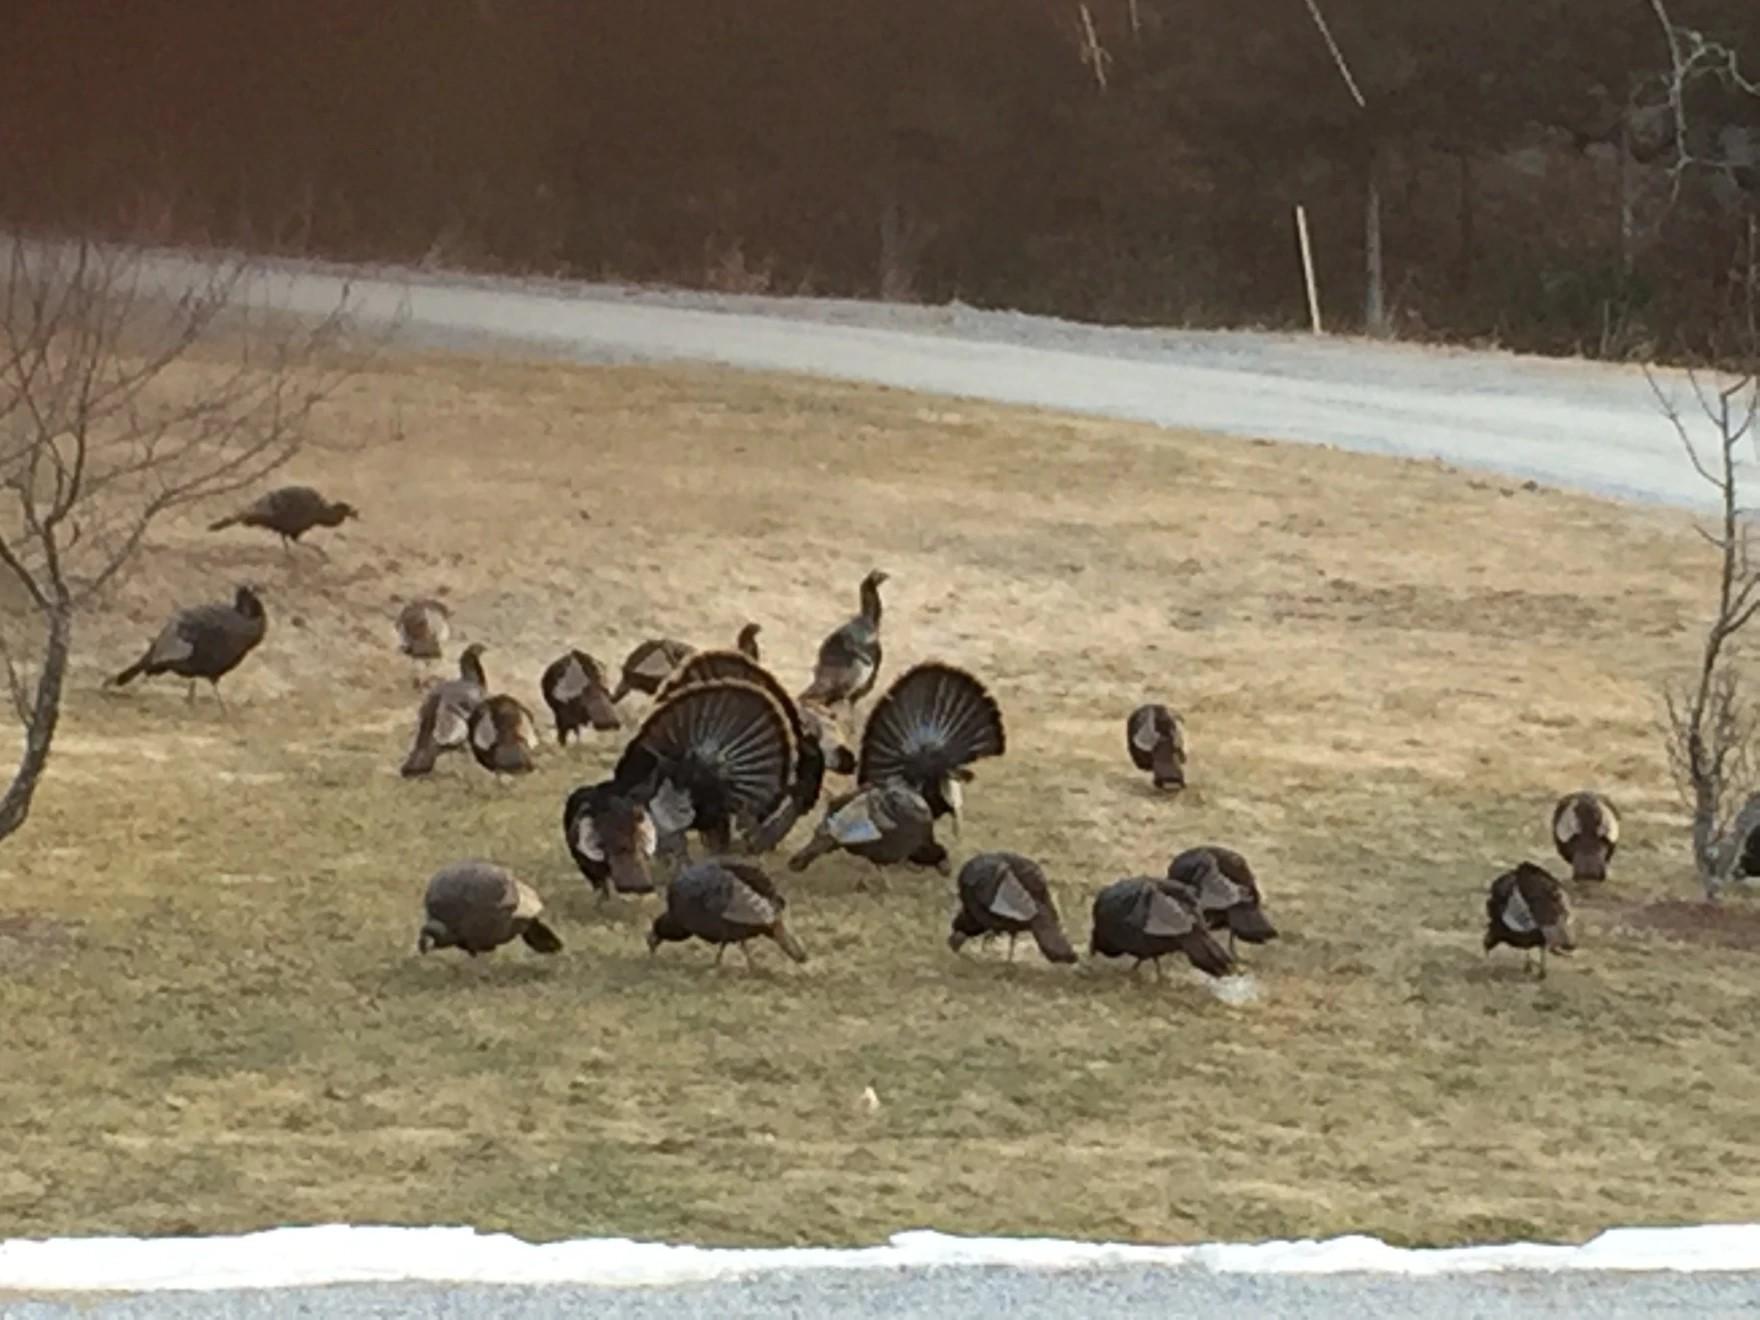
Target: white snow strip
point(343, 1253)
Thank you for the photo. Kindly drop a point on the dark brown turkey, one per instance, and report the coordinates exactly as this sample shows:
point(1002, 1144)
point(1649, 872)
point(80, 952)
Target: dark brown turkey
point(1147, 917)
point(477, 907)
point(1225, 890)
point(574, 688)
point(1529, 909)
point(1003, 893)
point(502, 735)
point(1585, 830)
point(849, 658)
point(290, 512)
point(713, 756)
point(810, 734)
point(1156, 739)
point(926, 731)
point(611, 838)
point(722, 901)
point(207, 641)
point(646, 667)
point(886, 824)
point(422, 628)
point(443, 722)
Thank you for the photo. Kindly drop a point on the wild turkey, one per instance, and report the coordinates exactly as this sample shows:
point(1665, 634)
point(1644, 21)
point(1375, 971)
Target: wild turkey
point(747, 642)
point(206, 641)
point(502, 735)
point(1156, 739)
point(816, 738)
point(290, 512)
point(888, 824)
point(422, 628)
point(611, 838)
point(722, 902)
point(477, 907)
point(443, 724)
point(1529, 909)
point(849, 658)
point(574, 688)
point(1585, 830)
point(1146, 917)
point(711, 756)
point(1003, 892)
point(646, 667)
point(930, 725)
point(1226, 891)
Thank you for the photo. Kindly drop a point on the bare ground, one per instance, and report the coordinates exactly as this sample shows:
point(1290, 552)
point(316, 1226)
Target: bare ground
point(216, 1020)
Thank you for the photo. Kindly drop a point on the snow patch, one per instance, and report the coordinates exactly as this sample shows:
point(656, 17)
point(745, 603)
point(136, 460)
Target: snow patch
point(344, 1253)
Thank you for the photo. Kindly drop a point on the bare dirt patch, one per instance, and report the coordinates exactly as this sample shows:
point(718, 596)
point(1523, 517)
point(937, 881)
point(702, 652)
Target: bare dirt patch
point(1388, 674)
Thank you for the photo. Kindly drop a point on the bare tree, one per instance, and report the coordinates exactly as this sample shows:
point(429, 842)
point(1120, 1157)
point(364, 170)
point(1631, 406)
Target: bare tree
point(1698, 65)
point(1710, 723)
point(124, 395)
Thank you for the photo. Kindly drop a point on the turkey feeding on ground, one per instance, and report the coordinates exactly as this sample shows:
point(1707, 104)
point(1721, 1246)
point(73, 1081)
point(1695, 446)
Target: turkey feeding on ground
point(1226, 891)
point(1004, 893)
point(1585, 830)
point(1147, 917)
point(1156, 739)
point(574, 688)
point(646, 667)
point(443, 722)
point(611, 838)
point(477, 907)
point(849, 658)
point(1529, 909)
point(206, 641)
point(290, 512)
point(723, 901)
point(502, 735)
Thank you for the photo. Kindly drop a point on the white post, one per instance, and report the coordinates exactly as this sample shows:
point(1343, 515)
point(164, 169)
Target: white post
point(1308, 268)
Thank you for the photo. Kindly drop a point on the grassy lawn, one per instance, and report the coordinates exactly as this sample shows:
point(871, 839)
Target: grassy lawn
point(216, 1021)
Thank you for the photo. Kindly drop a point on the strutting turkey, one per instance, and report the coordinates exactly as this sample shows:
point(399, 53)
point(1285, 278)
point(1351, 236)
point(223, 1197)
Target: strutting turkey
point(1226, 891)
point(925, 732)
point(1006, 893)
point(712, 756)
point(811, 735)
point(647, 666)
point(1585, 830)
point(502, 735)
point(1156, 739)
point(574, 688)
point(1147, 917)
point(290, 512)
point(206, 641)
point(723, 901)
point(443, 723)
point(611, 838)
point(1529, 909)
point(477, 907)
point(849, 658)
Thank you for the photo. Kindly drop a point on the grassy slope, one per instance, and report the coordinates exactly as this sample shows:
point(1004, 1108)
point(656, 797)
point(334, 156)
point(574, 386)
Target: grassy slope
point(215, 1019)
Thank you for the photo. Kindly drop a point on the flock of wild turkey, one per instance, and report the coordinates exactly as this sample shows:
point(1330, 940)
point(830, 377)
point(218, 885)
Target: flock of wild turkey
point(725, 752)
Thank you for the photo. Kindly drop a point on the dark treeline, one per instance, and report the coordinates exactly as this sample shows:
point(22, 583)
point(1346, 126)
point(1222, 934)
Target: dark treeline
point(1132, 160)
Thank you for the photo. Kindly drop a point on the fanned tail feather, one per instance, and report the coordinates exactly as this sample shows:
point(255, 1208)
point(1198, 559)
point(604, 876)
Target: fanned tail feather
point(932, 720)
point(725, 733)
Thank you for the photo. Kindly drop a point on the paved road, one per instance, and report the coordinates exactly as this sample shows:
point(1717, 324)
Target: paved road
point(1582, 425)
point(970, 1293)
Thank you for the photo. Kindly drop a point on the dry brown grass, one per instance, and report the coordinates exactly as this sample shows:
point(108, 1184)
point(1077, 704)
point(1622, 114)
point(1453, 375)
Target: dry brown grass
point(216, 1021)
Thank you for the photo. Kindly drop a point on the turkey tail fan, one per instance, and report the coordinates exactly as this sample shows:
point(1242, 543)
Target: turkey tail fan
point(934, 719)
point(727, 743)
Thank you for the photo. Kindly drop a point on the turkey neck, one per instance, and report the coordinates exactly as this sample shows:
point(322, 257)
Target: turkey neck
point(871, 603)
